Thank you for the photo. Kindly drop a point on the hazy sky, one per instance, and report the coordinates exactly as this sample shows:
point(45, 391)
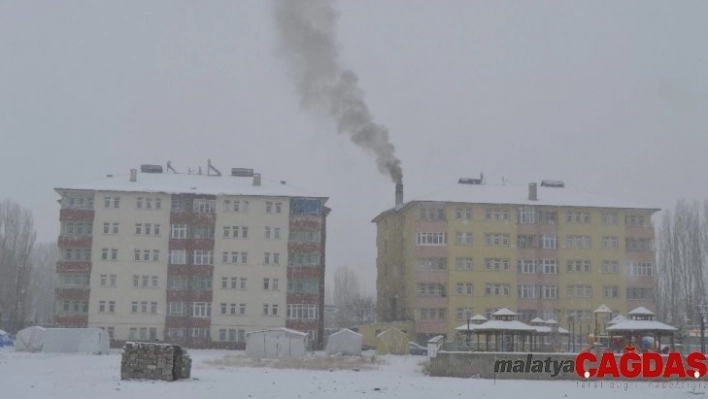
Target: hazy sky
point(611, 97)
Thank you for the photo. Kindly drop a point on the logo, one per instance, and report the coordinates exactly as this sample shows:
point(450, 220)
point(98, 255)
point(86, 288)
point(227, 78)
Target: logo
point(628, 365)
point(645, 365)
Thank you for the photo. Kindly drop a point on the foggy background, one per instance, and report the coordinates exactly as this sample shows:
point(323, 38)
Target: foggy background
point(610, 97)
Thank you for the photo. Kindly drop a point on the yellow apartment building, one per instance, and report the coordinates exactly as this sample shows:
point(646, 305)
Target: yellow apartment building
point(542, 250)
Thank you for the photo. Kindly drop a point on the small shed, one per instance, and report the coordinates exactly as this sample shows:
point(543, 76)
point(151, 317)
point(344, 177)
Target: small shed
point(393, 341)
point(76, 340)
point(346, 342)
point(276, 343)
point(30, 339)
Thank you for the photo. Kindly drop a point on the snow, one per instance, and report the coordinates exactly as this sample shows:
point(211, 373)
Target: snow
point(640, 325)
point(641, 311)
point(172, 183)
point(518, 195)
point(504, 312)
point(69, 376)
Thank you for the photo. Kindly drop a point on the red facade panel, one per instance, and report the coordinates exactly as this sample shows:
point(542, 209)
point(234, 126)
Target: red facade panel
point(189, 296)
point(71, 321)
point(187, 322)
point(73, 294)
point(305, 223)
point(76, 215)
point(74, 267)
point(303, 247)
point(302, 273)
point(190, 270)
point(75, 242)
point(303, 298)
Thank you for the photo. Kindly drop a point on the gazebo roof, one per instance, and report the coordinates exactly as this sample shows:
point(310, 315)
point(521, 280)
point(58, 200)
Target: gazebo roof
point(641, 311)
point(464, 327)
point(551, 322)
point(503, 325)
point(616, 319)
point(504, 312)
point(641, 325)
point(603, 309)
point(478, 317)
point(537, 320)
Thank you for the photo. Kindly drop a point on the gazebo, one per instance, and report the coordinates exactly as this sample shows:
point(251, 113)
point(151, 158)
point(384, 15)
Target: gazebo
point(640, 324)
point(546, 329)
point(467, 329)
point(505, 329)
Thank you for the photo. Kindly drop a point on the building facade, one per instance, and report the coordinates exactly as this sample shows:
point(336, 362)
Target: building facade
point(548, 252)
point(198, 260)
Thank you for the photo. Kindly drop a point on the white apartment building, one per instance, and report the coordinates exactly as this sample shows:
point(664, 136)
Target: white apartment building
point(193, 259)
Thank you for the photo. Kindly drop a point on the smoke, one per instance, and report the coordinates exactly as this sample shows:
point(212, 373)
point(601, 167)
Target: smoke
point(307, 32)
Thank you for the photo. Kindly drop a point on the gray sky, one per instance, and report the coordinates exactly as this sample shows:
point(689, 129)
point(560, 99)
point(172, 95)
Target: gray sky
point(611, 97)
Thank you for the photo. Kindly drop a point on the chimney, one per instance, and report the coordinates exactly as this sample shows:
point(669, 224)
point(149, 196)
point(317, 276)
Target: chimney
point(533, 193)
point(133, 175)
point(399, 195)
point(256, 179)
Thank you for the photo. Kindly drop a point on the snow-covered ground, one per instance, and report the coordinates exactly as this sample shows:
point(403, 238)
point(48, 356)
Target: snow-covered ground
point(61, 376)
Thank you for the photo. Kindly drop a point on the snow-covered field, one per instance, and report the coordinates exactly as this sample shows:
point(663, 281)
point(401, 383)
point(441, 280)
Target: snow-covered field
point(60, 376)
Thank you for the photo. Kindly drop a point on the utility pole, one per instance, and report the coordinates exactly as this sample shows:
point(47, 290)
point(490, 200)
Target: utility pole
point(703, 328)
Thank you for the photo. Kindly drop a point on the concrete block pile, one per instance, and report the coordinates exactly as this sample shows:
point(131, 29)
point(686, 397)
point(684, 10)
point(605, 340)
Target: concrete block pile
point(154, 361)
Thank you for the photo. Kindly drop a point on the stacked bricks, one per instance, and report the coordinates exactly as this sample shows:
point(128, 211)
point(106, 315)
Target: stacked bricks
point(154, 361)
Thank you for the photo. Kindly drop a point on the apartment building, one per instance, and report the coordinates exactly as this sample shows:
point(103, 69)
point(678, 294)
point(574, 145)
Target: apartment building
point(194, 259)
point(543, 251)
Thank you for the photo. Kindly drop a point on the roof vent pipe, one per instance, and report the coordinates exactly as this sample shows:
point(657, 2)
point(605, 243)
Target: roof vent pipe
point(533, 192)
point(256, 179)
point(133, 175)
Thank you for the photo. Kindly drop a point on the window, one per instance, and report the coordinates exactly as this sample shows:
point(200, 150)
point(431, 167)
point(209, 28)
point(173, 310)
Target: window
point(153, 307)
point(496, 264)
point(133, 333)
point(240, 206)
point(139, 202)
point(203, 232)
point(609, 218)
point(464, 264)
point(578, 291)
point(464, 288)
point(266, 234)
point(276, 258)
point(270, 309)
point(578, 242)
point(276, 233)
point(301, 311)
point(178, 257)
point(112, 280)
point(610, 243)
point(278, 207)
point(154, 281)
point(432, 239)
point(101, 306)
point(463, 238)
point(527, 215)
point(200, 309)
point(548, 217)
point(178, 231)
point(578, 266)
point(526, 291)
point(203, 206)
point(577, 217)
point(434, 264)
point(634, 220)
point(269, 207)
point(176, 205)
point(549, 241)
point(641, 269)
point(548, 266)
point(176, 309)
point(201, 283)
point(266, 284)
point(148, 203)
point(305, 259)
point(202, 257)
point(639, 244)
point(303, 286)
point(610, 291)
point(549, 291)
point(106, 228)
point(526, 241)
point(496, 240)
point(463, 213)
point(433, 213)
point(104, 280)
point(111, 306)
point(526, 266)
point(431, 289)
point(432, 314)
point(496, 290)
point(610, 267)
point(116, 202)
point(639, 293)
point(496, 215)
point(305, 235)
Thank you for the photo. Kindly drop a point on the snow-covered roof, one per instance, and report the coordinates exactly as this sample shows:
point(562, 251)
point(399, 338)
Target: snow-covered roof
point(603, 309)
point(281, 329)
point(551, 322)
point(641, 311)
point(504, 312)
point(478, 317)
point(504, 325)
point(464, 327)
point(616, 319)
point(174, 183)
point(392, 330)
point(640, 325)
point(537, 320)
point(346, 331)
point(519, 195)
